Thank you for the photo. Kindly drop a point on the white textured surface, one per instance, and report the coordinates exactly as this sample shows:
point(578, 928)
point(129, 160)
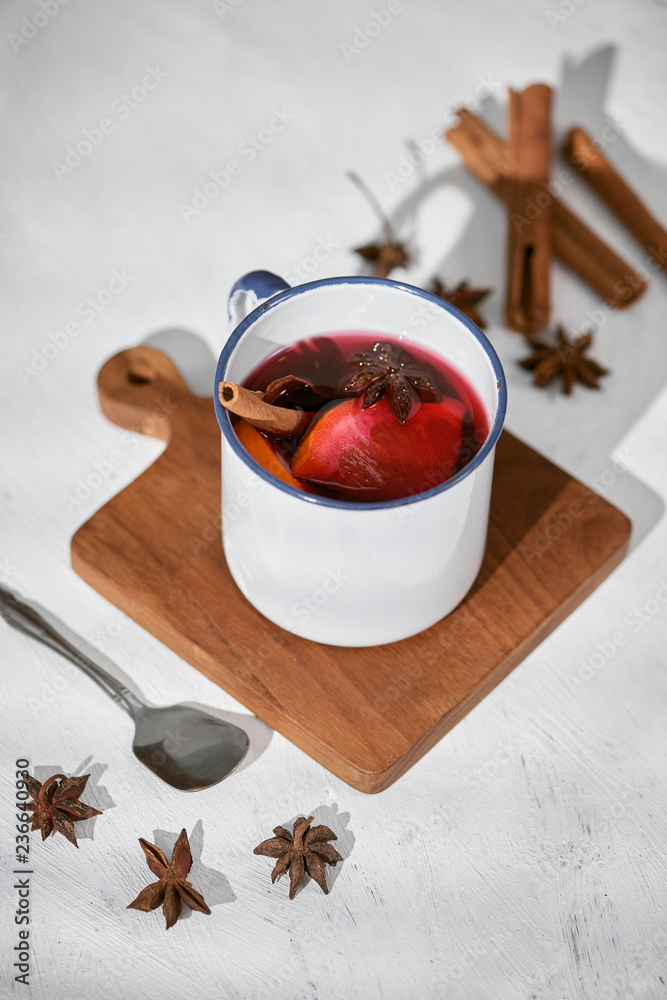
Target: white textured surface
point(524, 857)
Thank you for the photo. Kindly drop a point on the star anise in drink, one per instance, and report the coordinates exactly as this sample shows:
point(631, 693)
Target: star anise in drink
point(384, 371)
point(304, 851)
point(464, 297)
point(566, 358)
point(385, 254)
point(172, 889)
point(56, 806)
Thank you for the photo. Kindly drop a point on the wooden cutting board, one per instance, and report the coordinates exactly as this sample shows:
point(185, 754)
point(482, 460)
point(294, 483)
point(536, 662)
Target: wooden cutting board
point(365, 714)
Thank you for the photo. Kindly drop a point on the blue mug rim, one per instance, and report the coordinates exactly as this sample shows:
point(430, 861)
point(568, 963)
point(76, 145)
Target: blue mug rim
point(225, 423)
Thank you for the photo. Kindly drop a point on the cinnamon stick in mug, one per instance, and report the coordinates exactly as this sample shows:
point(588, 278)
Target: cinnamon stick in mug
point(526, 177)
point(605, 180)
point(572, 241)
point(278, 421)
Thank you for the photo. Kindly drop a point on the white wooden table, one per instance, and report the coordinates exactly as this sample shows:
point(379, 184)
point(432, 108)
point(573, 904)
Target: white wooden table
point(523, 857)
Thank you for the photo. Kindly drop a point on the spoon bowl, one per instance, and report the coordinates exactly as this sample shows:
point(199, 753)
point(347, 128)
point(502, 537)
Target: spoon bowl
point(187, 747)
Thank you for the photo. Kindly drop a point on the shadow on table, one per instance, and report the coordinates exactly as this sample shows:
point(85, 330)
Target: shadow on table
point(191, 355)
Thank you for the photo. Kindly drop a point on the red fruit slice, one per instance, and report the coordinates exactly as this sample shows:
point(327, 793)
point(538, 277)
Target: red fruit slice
point(369, 455)
point(267, 454)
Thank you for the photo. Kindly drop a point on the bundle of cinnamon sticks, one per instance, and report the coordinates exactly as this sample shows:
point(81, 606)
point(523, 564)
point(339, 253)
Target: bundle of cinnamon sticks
point(518, 170)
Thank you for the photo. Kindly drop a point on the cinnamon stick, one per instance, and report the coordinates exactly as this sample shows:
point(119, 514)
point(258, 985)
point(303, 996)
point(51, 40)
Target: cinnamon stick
point(572, 241)
point(278, 421)
point(614, 190)
point(527, 172)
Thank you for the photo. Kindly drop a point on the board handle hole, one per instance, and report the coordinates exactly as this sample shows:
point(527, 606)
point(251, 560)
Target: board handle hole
point(140, 374)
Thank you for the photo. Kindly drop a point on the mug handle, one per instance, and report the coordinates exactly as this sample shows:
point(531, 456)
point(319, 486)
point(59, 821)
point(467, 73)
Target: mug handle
point(249, 291)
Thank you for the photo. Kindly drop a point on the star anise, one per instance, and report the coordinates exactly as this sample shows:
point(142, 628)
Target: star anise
point(463, 297)
point(385, 256)
point(173, 887)
point(566, 358)
point(56, 806)
point(389, 253)
point(305, 851)
point(382, 371)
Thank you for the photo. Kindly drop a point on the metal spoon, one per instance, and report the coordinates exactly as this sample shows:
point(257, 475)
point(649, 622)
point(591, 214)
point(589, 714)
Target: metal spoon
point(186, 747)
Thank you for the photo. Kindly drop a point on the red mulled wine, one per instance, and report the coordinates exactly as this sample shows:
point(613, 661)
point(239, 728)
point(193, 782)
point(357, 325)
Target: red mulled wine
point(390, 419)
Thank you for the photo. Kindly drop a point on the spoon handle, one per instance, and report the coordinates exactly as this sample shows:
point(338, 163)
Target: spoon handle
point(27, 620)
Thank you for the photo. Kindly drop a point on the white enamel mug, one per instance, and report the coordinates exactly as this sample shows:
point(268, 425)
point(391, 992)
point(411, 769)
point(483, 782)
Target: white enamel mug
point(335, 571)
